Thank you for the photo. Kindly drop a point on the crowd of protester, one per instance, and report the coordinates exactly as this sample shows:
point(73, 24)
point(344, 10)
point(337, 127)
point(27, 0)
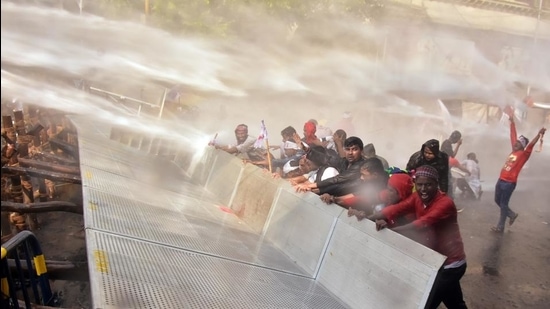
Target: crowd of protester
point(417, 201)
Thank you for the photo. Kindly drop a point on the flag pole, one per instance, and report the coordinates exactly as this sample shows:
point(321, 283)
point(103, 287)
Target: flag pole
point(268, 155)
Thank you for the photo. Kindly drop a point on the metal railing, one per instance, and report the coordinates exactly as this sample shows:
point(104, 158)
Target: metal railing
point(118, 98)
point(29, 280)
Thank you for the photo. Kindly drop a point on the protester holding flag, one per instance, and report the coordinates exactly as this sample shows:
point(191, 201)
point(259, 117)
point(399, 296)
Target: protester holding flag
point(289, 151)
point(261, 142)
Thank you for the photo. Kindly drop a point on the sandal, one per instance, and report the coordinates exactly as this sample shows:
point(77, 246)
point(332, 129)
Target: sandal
point(496, 230)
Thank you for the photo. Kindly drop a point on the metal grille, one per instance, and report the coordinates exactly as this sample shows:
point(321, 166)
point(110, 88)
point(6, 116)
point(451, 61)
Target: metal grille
point(105, 163)
point(155, 240)
point(136, 274)
point(222, 234)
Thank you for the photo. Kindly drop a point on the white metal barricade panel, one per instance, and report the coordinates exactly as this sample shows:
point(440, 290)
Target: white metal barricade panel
point(129, 273)
point(300, 224)
point(254, 197)
point(224, 176)
point(370, 269)
point(200, 168)
point(176, 248)
point(199, 227)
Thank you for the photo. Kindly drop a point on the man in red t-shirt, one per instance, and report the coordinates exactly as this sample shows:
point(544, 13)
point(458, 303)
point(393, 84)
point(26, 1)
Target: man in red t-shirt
point(521, 151)
point(435, 220)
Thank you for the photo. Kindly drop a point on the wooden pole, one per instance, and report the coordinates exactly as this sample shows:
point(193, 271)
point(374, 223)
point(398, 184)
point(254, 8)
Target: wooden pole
point(268, 155)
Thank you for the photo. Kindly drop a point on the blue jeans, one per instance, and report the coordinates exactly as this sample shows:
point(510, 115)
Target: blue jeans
point(503, 193)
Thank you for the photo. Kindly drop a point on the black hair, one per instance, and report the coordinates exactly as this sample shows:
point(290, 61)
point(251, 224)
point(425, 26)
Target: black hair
point(455, 136)
point(288, 131)
point(353, 141)
point(374, 166)
point(241, 125)
point(318, 155)
point(369, 150)
point(341, 133)
point(433, 145)
point(472, 156)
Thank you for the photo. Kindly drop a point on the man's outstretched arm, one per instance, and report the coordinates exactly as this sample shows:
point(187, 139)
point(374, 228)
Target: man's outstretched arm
point(513, 132)
point(536, 138)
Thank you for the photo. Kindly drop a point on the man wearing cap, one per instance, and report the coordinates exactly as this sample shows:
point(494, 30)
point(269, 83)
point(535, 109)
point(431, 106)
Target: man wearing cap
point(521, 151)
point(435, 219)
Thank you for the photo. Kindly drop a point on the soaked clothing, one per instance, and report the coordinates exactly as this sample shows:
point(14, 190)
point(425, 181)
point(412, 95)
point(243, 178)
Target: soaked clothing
point(246, 147)
point(507, 181)
point(322, 173)
point(447, 147)
point(367, 194)
point(440, 163)
point(403, 184)
point(516, 160)
point(439, 222)
point(345, 182)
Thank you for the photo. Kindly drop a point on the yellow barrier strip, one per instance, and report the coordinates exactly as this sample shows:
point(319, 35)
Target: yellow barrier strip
point(92, 205)
point(101, 263)
point(5, 287)
point(4, 252)
point(40, 265)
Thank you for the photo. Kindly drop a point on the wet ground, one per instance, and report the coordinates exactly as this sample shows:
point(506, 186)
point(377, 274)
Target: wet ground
point(511, 270)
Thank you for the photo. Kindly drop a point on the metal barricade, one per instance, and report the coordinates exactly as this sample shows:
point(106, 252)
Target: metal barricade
point(29, 280)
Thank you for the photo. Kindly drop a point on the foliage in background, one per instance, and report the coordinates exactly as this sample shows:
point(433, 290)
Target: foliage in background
point(225, 17)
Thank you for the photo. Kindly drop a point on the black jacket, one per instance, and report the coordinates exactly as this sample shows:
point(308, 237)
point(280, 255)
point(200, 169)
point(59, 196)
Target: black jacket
point(342, 183)
point(440, 162)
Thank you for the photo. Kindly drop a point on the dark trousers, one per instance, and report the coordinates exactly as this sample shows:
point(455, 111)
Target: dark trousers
point(447, 289)
point(503, 193)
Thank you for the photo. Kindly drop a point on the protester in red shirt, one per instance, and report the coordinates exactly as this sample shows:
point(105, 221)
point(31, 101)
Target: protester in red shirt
point(435, 217)
point(521, 151)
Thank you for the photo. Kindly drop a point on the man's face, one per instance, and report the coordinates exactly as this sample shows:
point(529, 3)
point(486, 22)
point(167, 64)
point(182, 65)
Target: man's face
point(428, 154)
point(241, 135)
point(303, 166)
point(426, 188)
point(353, 153)
point(518, 146)
point(366, 175)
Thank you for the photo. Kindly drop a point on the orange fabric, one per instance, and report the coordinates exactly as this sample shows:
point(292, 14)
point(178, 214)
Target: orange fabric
point(403, 184)
point(513, 165)
point(453, 162)
point(309, 132)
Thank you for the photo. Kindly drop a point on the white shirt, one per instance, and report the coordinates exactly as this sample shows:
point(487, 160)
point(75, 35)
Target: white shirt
point(328, 173)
